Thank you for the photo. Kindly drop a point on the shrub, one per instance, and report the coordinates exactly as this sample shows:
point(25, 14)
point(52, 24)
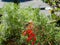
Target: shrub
point(14, 19)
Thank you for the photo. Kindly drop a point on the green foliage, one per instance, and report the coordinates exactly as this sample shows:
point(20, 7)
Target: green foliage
point(14, 19)
point(53, 3)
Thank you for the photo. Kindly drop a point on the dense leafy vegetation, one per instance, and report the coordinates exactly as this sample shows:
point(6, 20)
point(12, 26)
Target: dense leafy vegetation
point(13, 24)
point(55, 11)
point(55, 4)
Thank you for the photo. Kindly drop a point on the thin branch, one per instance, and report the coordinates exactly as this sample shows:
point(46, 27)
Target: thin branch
point(53, 21)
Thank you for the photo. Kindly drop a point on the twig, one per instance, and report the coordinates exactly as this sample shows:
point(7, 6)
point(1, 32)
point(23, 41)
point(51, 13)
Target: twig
point(53, 21)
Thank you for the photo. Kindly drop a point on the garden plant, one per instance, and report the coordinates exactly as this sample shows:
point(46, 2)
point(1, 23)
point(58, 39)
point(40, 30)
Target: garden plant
point(13, 24)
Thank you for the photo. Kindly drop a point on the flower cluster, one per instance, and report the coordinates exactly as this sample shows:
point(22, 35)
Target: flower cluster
point(31, 36)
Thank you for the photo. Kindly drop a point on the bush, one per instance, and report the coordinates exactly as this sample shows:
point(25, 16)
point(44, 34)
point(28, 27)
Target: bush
point(14, 19)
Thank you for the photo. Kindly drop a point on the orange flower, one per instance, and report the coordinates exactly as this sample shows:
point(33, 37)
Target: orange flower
point(24, 33)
